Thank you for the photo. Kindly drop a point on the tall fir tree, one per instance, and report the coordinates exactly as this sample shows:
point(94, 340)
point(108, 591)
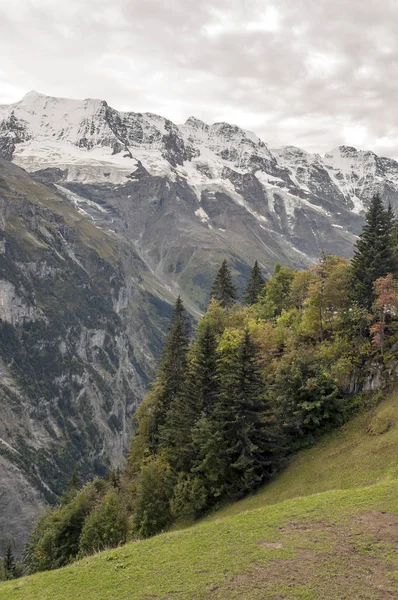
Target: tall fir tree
point(374, 254)
point(391, 221)
point(254, 286)
point(394, 236)
point(223, 288)
point(173, 367)
point(238, 442)
point(9, 563)
point(197, 397)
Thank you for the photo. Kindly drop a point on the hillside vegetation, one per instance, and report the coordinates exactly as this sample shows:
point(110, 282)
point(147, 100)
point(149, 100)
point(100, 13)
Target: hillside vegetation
point(363, 452)
point(279, 543)
point(258, 381)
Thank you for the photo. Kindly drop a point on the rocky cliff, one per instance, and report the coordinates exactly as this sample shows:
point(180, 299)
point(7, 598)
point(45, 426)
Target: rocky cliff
point(78, 338)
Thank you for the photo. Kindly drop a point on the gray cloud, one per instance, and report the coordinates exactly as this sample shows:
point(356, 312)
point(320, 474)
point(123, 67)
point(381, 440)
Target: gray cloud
point(313, 73)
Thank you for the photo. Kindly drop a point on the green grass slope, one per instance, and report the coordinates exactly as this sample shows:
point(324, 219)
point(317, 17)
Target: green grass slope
point(327, 528)
point(362, 452)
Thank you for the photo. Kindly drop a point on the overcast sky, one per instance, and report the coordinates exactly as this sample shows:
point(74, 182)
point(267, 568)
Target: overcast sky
point(312, 73)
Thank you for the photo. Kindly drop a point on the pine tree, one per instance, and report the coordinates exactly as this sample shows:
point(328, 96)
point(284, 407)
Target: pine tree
point(197, 397)
point(223, 288)
point(9, 563)
point(390, 216)
point(73, 486)
point(173, 367)
point(394, 236)
point(254, 285)
point(374, 256)
point(74, 482)
point(238, 441)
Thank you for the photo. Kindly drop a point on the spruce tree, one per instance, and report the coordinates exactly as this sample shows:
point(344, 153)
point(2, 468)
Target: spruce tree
point(173, 367)
point(254, 286)
point(391, 221)
point(394, 236)
point(223, 288)
point(196, 398)
point(9, 563)
point(238, 441)
point(374, 256)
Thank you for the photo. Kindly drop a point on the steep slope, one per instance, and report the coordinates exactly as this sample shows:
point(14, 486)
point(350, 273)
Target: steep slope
point(332, 544)
point(78, 340)
point(186, 196)
point(363, 452)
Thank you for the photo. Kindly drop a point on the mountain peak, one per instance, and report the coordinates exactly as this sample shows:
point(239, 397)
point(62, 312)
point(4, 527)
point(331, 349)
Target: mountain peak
point(342, 151)
point(197, 123)
point(32, 96)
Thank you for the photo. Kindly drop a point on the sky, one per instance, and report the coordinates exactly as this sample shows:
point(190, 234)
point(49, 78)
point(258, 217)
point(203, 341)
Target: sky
point(310, 73)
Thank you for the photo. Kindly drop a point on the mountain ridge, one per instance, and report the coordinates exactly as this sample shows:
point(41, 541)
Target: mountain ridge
point(215, 182)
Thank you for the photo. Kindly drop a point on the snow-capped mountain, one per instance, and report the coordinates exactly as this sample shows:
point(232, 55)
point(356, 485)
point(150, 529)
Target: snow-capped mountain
point(176, 191)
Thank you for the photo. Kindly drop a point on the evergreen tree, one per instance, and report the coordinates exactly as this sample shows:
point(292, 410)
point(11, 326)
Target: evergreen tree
point(238, 441)
point(74, 482)
point(9, 564)
point(391, 221)
point(394, 236)
point(306, 399)
point(275, 296)
point(173, 366)
point(254, 285)
point(197, 397)
point(73, 486)
point(223, 289)
point(374, 256)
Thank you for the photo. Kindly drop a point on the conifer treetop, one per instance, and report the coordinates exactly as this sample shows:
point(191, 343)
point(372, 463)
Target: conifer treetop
point(223, 288)
point(254, 286)
point(374, 256)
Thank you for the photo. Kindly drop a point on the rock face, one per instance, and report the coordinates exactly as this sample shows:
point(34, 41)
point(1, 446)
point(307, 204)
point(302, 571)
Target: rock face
point(78, 339)
point(119, 213)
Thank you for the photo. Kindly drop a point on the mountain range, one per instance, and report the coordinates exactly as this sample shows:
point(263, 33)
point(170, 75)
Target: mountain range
point(107, 216)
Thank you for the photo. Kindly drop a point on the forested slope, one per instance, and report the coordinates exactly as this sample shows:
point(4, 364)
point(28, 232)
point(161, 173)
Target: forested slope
point(340, 543)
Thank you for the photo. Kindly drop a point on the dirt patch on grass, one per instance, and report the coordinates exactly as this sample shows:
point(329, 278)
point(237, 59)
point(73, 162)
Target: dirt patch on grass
point(383, 526)
point(356, 560)
point(272, 545)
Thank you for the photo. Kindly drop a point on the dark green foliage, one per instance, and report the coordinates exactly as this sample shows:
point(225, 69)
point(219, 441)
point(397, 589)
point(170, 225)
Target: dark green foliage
point(223, 289)
point(9, 563)
point(152, 510)
point(254, 286)
point(56, 539)
point(241, 434)
point(307, 400)
point(173, 367)
point(394, 235)
point(374, 254)
point(197, 397)
point(190, 496)
point(106, 526)
point(74, 482)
